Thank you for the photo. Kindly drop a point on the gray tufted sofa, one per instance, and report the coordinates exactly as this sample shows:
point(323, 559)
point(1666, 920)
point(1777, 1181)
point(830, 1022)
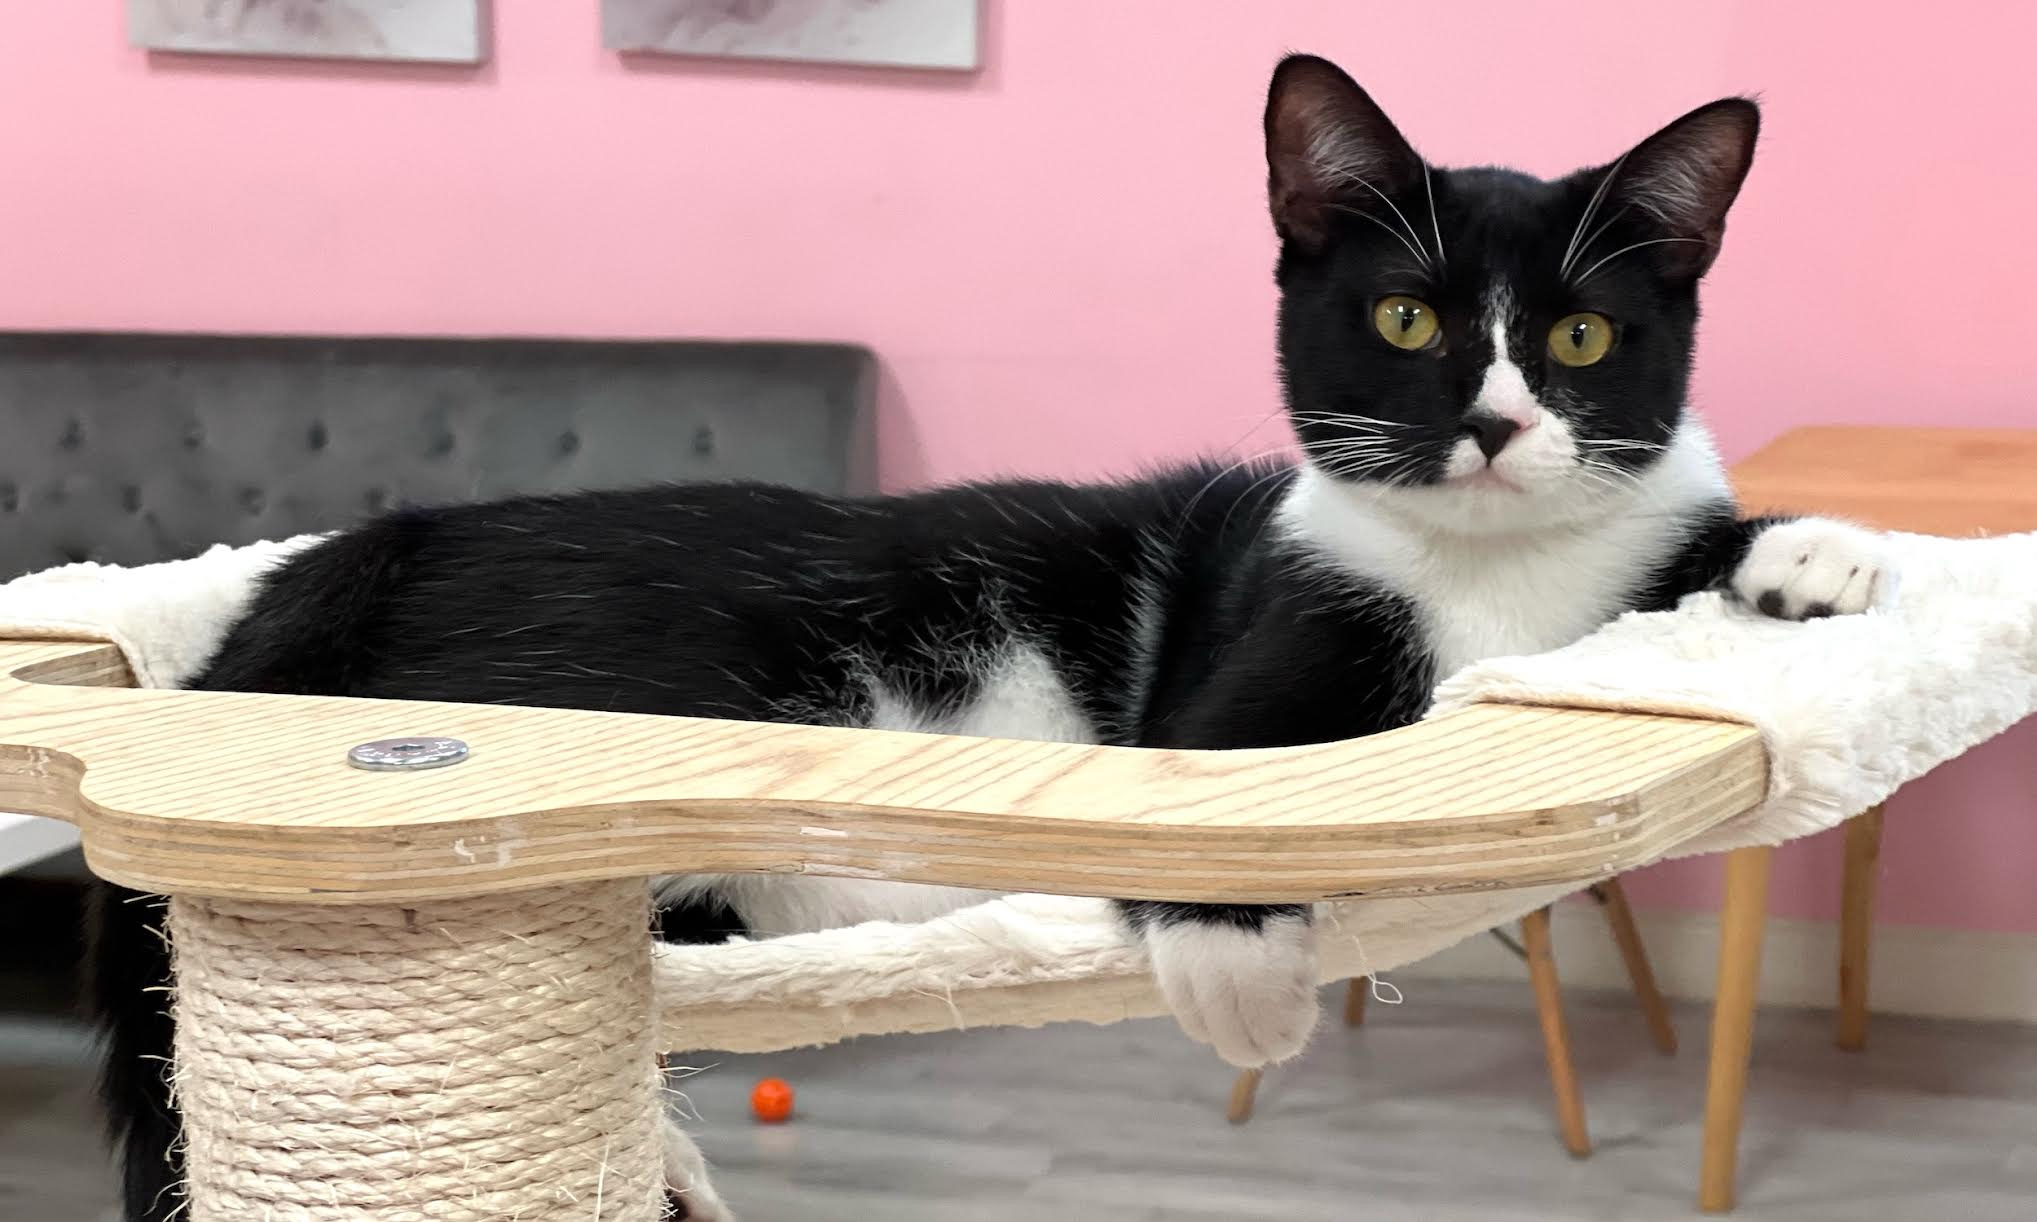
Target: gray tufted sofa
point(136, 448)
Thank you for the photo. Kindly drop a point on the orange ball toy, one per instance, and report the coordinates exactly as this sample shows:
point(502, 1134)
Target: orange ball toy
point(771, 1100)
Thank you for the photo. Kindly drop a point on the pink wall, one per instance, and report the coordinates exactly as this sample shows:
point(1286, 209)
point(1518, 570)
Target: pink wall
point(1063, 261)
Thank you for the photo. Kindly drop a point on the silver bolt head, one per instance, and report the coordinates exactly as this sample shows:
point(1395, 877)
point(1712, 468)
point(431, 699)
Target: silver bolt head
point(407, 754)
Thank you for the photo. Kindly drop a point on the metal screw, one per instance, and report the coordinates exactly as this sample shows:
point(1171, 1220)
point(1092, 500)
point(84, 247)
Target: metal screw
point(407, 754)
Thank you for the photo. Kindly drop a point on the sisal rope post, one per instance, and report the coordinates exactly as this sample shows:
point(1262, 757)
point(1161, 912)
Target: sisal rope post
point(468, 1060)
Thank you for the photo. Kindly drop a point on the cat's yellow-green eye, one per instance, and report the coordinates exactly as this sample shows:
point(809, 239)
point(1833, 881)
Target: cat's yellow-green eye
point(1405, 323)
point(1581, 339)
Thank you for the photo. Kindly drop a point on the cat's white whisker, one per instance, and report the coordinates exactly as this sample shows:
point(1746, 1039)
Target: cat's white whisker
point(1624, 249)
point(1187, 511)
point(1415, 242)
point(1590, 210)
point(1398, 236)
point(1357, 445)
point(1328, 417)
point(1266, 480)
point(1585, 247)
point(1429, 189)
point(1645, 447)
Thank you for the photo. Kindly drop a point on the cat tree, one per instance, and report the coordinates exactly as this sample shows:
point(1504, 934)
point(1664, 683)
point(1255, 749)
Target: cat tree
point(431, 991)
point(401, 988)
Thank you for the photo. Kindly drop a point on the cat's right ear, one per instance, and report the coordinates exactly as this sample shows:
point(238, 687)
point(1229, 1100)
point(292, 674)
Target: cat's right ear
point(1328, 145)
point(1684, 178)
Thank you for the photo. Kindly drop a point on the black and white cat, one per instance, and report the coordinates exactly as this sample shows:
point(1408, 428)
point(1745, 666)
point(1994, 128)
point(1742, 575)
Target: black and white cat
point(1487, 375)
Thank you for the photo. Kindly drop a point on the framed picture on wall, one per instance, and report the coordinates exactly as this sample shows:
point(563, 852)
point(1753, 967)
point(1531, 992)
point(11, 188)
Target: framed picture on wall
point(410, 31)
point(879, 33)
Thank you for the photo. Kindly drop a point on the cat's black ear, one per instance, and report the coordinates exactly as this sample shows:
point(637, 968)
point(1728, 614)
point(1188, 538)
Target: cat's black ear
point(1682, 179)
point(1328, 144)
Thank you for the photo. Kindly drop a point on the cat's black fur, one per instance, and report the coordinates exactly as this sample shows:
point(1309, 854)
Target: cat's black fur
point(1178, 610)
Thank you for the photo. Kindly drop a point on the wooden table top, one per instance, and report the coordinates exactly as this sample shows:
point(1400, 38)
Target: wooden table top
point(1934, 481)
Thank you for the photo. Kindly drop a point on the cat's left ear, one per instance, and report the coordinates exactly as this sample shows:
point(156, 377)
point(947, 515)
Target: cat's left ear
point(1683, 178)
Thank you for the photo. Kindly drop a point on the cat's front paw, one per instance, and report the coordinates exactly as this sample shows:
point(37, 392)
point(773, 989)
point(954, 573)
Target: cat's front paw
point(1248, 993)
point(1815, 567)
point(689, 1195)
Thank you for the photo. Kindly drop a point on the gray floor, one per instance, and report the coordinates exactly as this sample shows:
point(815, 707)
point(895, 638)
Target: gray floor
point(1437, 1109)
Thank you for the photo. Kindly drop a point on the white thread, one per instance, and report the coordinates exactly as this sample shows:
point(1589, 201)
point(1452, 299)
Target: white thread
point(947, 995)
point(456, 1061)
point(1383, 991)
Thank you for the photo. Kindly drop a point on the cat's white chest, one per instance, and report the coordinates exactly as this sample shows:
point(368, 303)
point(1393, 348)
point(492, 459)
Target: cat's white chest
point(1493, 602)
point(1493, 595)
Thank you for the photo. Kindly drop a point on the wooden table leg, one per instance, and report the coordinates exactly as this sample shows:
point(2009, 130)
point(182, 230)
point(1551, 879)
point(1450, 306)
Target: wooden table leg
point(1244, 1093)
point(1355, 995)
point(1612, 901)
point(1856, 925)
point(1245, 1089)
point(1555, 1034)
point(1740, 925)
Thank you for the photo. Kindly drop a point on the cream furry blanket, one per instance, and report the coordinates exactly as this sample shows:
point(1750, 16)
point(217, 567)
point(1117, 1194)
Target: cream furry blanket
point(1850, 707)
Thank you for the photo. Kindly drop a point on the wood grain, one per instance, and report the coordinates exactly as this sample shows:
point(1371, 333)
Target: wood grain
point(1741, 921)
point(1356, 992)
point(1856, 925)
point(1244, 1094)
point(1956, 482)
point(1570, 1123)
point(1612, 900)
point(249, 796)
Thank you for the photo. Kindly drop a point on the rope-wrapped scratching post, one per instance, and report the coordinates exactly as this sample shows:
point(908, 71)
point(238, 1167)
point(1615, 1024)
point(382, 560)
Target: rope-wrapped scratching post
point(464, 1060)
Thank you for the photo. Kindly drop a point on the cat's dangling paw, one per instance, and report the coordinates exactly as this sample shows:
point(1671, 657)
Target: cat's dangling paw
point(1250, 994)
point(1815, 567)
point(689, 1195)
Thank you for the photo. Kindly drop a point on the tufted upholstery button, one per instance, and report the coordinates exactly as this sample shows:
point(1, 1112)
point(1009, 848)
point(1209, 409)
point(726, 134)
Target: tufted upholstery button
point(10, 498)
point(253, 500)
point(74, 436)
point(194, 435)
point(376, 499)
point(74, 555)
point(130, 498)
point(440, 445)
point(569, 443)
point(316, 437)
point(703, 441)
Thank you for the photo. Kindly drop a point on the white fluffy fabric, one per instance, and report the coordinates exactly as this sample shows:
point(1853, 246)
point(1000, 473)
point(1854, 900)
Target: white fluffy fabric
point(166, 618)
point(1850, 707)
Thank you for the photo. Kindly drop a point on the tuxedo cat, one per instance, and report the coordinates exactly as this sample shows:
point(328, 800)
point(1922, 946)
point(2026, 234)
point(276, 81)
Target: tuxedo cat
point(1487, 376)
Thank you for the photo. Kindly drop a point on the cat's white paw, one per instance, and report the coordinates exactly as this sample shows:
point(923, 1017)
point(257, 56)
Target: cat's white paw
point(1249, 994)
point(686, 1182)
point(1814, 567)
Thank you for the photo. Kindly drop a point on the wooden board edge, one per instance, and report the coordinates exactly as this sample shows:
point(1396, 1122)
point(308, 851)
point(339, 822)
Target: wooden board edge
point(1187, 861)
